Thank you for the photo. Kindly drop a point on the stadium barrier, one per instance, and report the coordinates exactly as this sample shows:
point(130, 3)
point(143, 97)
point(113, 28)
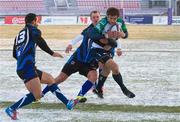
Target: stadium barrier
point(59, 20)
point(139, 19)
point(160, 20)
point(85, 20)
point(176, 20)
point(17, 19)
point(1, 20)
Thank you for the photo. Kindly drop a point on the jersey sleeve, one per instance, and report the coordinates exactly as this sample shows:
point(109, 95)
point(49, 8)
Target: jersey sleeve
point(76, 40)
point(41, 42)
point(123, 27)
point(14, 49)
point(101, 25)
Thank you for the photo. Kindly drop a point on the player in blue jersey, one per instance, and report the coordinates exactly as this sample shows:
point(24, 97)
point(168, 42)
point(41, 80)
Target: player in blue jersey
point(104, 41)
point(24, 52)
point(76, 62)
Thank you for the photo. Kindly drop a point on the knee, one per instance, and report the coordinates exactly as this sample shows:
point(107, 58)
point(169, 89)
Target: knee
point(50, 79)
point(105, 73)
point(92, 76)
point(115, 69)
point(60, 78)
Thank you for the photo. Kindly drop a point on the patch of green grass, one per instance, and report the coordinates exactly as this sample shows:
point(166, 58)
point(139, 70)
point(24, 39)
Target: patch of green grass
point(102, 107)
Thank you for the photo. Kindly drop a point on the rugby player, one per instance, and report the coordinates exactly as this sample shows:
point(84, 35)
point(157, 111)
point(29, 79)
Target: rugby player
point(76, 62)
point(24, 52)
point(102, 44)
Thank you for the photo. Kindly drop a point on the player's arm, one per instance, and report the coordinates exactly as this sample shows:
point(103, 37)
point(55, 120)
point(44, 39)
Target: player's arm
point(14, 49)
point(97, 37)
point(118, 49)
point(43, 45)
point(73, 42)
point(124, 30)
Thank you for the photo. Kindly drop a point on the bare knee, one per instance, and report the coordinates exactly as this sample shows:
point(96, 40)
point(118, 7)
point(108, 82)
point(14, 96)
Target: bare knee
point(112, 66)
point(61, 77)
point(92, 76)
point(105, 72)
point(47, 78)
point(115, 69)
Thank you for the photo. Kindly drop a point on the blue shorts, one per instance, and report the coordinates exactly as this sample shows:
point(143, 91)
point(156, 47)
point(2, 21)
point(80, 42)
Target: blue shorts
point(96, 55)
point(29, 72)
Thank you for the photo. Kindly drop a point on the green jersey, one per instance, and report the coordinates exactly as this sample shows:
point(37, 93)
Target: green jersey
point(103, 25)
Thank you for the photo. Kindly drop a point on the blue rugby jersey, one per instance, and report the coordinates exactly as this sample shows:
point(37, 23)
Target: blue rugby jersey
point(25, 46)
point(82, 50)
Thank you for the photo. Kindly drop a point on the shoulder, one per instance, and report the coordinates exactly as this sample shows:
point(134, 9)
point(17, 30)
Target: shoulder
point(86, 29)
point(120, 20)
point(101, 24)
point(35, 31)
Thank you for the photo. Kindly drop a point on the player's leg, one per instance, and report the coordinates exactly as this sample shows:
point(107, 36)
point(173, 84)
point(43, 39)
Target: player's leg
point(90, 72)
point(92, 77)
point(34, 88)
point(48, 79)
point(118, 78)
point(66, 71)
point(101, 80)
point(32, 83)
point(60, 78)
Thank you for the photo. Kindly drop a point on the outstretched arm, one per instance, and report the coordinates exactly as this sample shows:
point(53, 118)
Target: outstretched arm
point(14, 49)
point(73, 42)
point(43, 45)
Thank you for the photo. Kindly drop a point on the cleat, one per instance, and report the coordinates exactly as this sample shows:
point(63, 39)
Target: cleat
point(128, 93)
point(11, 113)
point(71, 104)
point(36, 101)
point(99, 93)
point(82, 99)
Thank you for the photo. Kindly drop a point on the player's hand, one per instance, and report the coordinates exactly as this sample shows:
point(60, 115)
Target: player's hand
point(109, 35)
point(68, 48)
point(107, 47)
point(119, 52)
point(104, 41)
point(56, 54)
point(120, 34)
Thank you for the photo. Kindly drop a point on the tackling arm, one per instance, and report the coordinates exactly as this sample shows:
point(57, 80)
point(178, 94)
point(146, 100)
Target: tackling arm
point(42, 43)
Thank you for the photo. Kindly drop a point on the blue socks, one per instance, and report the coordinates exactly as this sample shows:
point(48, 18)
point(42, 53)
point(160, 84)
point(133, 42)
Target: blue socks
point(29, 98)
point(85, 88)
point(45, 90)
point(56, 91)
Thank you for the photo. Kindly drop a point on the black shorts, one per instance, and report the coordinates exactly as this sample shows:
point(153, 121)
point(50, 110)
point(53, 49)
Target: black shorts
point(73, 66)
point(30, 73)
point(97, 55)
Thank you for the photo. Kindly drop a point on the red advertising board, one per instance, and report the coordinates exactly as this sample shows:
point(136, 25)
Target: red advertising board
point(84, 20)
point(18, 19)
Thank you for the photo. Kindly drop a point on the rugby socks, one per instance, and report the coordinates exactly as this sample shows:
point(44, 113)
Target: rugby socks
point(119, 81)
point(45, 90)
point(29, 98)
point(85, 88)
point(56, 91)
point(101, 81)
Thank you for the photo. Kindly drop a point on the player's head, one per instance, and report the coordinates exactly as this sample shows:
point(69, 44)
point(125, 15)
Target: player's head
point(31, 19)
point(95, 17)
point(112, 15)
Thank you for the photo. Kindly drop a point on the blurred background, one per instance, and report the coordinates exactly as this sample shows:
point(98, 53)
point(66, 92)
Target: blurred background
point(134, 11)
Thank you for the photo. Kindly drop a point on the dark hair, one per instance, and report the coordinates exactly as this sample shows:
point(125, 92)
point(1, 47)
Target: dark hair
point(112, 11)
point(93, 12)
point(30, 17)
